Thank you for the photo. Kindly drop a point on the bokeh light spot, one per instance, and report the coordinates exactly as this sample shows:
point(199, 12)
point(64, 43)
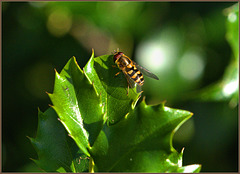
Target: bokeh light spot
point(38, 4)
point(59, 22)
point(230, 88)
point(90, 35)
point(160, 51)
point(154, 55)
point(191, 66)
point(232, 17)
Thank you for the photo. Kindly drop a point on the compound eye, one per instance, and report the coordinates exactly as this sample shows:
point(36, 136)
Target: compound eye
point(117, 56)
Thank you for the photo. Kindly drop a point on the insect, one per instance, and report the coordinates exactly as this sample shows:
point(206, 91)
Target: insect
point(132, 71)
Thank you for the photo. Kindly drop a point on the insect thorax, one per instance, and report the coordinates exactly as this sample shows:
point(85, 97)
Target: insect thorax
point(124, 61)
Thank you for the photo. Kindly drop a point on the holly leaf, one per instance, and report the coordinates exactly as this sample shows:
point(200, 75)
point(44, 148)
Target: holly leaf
point(141, 142)
point(77, 104)
point(56, 150)
point(112, 89)
point(111, 132)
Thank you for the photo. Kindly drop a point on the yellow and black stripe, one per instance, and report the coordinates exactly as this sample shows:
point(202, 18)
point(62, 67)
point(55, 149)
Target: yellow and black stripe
point(135, 74)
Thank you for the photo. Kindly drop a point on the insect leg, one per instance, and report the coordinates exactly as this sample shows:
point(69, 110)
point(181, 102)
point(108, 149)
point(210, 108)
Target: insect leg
point(118, 73)
point(128, 86)
point(128, 82)
point(139, 89)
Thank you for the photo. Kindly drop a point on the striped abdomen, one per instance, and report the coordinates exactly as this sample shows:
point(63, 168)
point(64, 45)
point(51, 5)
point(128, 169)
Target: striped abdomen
point(135, 74)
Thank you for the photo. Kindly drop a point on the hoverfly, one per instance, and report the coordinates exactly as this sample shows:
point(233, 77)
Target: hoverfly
point(132, 71)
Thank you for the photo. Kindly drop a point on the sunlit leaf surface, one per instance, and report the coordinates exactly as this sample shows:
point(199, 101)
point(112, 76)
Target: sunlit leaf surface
point(113, 134)
point(112, 89)
point(56, 150)
point(141, 142)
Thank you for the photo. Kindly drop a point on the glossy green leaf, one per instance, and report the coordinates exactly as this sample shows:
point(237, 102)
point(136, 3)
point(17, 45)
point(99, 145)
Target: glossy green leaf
point(112, 133)
point(77, 105)
point(142, 142)
point(112, 89)
point(56, 150)
point(195, 168)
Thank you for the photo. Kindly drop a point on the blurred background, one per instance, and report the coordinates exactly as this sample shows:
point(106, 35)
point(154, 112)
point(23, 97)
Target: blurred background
point(192, 47)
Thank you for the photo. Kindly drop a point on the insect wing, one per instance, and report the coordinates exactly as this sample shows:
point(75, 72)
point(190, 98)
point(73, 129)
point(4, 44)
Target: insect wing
point(132, 83)
point(139, 88)
point(146, 72)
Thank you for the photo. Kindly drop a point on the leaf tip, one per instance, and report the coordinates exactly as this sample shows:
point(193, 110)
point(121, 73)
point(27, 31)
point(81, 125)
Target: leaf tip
point(126, 116)
point(50, 105)
point(92, 53)
point(70, 136)
point(39, 111)
point(48, 93)
point(57, 74)
point(182, 150)
point(164, 102)
point(60, 120)
point(134, 103)
point(31, 139)
point(33, 160)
